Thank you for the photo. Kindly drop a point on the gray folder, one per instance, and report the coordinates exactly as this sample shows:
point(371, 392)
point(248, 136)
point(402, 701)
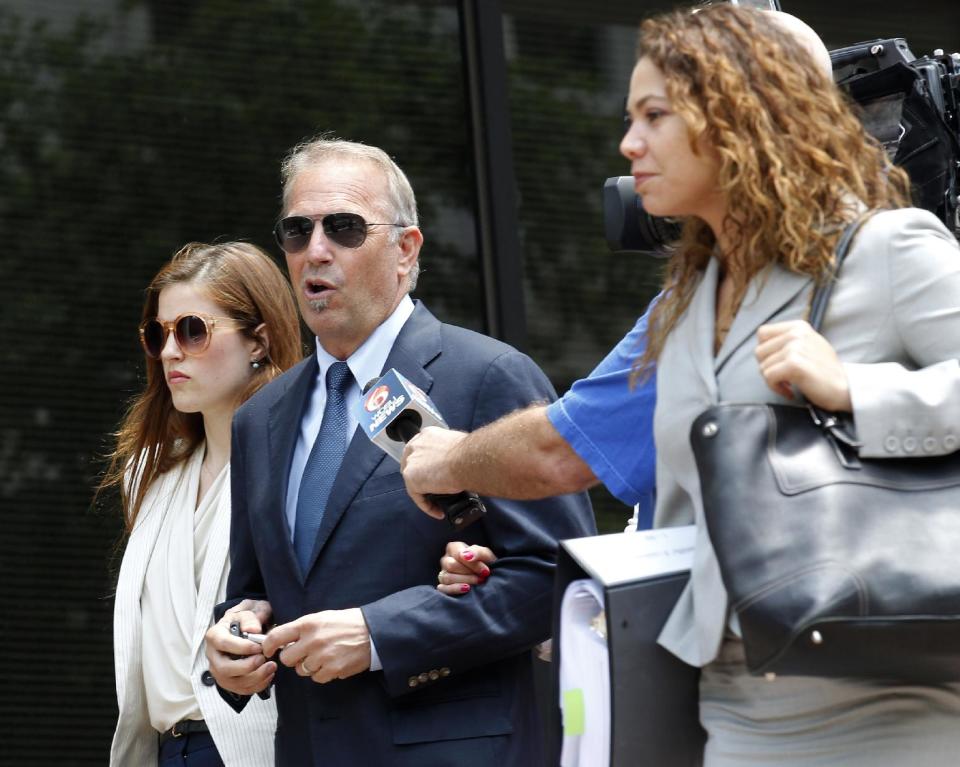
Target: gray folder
point(654, 706)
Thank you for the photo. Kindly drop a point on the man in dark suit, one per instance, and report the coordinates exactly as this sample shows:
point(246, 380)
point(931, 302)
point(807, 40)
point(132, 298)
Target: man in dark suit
point(376, 667)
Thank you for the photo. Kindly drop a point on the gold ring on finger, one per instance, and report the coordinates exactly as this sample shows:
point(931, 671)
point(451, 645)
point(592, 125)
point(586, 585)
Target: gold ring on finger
point(307, 671)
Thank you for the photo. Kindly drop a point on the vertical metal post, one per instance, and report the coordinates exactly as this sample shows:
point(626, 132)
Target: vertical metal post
point(498, 225)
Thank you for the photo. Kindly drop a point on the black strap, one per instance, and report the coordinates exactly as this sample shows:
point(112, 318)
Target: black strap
point(821, 297)
point(835, 426)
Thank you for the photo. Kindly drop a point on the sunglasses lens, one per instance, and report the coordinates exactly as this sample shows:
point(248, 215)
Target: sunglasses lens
point(152, 337)
point(192, 334)
point(346, 229)
point(293, 233)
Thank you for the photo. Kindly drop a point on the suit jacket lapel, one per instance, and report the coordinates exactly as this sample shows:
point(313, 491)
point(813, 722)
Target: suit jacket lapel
point(282, 432)
point(701, 318)
point(417, 344)
point(767, 293)
point(133, 570)
point(144, 536)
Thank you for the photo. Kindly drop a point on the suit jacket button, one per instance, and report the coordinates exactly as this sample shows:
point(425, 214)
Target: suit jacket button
point(909, 444)
point(444, 671)
point(412, 682)
point(424, 677)
point(207, 678)
point(434, 675)
point(950, 442)
point(891, 444)
point(929, 444)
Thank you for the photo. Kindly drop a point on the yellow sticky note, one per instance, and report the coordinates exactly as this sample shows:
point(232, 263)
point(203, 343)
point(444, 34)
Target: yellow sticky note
point(574, 718)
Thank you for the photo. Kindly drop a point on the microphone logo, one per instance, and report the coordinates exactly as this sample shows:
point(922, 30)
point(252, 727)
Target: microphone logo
point(387, 410)
point(377, 398)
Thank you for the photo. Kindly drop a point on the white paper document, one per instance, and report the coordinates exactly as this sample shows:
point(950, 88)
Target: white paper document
point(625, 557)
point(584, 677)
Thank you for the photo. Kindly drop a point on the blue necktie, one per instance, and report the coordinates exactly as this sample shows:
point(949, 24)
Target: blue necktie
point(322, 464)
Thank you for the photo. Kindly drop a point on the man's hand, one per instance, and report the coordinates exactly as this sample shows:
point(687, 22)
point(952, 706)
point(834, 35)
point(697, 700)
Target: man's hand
point(238, 664)
point(333, 644)
point(426, 466)
point(792, 354)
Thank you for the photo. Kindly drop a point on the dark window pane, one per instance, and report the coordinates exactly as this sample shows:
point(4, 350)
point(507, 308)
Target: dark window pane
point(129, 128)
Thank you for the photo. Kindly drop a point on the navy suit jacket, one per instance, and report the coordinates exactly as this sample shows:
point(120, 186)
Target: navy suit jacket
point(456, 683)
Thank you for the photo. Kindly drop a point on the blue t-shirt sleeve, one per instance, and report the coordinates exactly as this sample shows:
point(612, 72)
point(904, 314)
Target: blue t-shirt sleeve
point(610, 426)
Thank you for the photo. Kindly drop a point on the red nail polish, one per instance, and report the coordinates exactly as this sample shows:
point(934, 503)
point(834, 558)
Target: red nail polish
point(485, 572)
point(468, 555)
point(464, 588)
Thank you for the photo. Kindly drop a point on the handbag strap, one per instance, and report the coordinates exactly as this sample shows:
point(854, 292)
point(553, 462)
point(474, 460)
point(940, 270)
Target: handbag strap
point(834, 426)
point(821, 297)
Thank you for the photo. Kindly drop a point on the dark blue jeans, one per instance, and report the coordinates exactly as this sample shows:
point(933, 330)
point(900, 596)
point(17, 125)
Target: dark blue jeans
point(195, 749)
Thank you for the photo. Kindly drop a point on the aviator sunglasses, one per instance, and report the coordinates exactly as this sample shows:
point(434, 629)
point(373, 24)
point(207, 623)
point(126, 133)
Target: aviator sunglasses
point(348, 230)
point(191, 331)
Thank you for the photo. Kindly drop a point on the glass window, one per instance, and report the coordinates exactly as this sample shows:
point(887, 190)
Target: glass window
point(129, 128)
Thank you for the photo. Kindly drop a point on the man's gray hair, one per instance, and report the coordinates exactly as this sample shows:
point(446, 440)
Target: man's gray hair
point(401, 201)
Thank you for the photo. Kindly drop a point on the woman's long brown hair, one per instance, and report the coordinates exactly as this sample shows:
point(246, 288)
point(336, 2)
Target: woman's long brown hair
point(795, 161)
point(246, 284)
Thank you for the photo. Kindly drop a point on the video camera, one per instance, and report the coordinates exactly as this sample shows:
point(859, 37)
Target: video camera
point(910, 105)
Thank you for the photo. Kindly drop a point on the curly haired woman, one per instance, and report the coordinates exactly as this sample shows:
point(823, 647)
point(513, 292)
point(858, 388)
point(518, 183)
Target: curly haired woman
point(736, 130)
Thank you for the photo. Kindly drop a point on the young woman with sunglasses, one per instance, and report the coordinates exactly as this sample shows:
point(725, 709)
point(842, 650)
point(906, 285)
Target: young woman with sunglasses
point(219, 322)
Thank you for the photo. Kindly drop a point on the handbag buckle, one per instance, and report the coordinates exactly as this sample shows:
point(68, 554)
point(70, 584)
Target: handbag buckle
point(844, 444)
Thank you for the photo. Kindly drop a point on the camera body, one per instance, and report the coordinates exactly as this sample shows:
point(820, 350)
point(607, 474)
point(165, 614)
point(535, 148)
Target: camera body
point(911, 105)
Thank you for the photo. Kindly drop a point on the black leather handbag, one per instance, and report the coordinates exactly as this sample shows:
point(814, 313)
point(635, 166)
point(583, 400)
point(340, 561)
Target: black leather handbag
point(836, 565)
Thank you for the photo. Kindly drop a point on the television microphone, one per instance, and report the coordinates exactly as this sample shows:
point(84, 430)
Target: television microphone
point(392, 412)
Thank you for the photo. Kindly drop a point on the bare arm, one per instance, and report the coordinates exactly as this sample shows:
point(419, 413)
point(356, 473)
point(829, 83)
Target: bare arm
point(520, 456)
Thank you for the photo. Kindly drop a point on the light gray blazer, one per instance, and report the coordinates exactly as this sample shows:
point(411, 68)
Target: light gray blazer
point(894, 320)
point(246, 740)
